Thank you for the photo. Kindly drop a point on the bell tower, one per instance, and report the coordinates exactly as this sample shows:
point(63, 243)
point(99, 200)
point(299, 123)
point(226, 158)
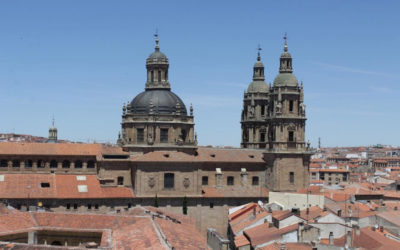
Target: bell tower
point(157, 69)
point(52, 133)
point(255, 109)
point(288, 154)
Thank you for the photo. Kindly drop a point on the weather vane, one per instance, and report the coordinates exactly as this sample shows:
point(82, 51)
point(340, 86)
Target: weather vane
point(285, 37)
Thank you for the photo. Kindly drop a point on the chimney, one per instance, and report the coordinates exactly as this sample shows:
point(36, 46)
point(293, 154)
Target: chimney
point(300, 231)
point(348, 239)
point(308, 210)
point(314, 245)
point(331, 238)
point(339, 213)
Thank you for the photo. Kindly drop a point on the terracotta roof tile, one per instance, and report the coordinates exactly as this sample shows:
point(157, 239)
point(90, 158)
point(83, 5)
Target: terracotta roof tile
point(203, 155)
point(241, 240)
point(61, 187)
point(263, 233)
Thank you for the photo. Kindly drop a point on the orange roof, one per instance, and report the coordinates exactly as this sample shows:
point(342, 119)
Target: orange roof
point(249, 221)
point(122, 231)
point(241, 240)
point(12, 148)
point(245, 209)
point(366, 239)
point(263, 233)
point(204, 155)
point(20, 186)
point(287, 246)
point(313, 212)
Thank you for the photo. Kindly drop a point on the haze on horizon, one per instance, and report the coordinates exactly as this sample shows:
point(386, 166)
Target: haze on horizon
point(79, 61)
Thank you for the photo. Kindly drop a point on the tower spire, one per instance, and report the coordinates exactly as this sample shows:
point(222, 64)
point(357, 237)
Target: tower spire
point(286, 59)
point(285, 48)
point(258, 53)
point(157, 48)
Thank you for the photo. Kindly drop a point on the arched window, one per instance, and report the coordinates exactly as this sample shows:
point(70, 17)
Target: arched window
point(3, 164)
point(28, 164)
point(56, 243)
point(90, 164)
point(78, 164)
point(230, 181)
point(255, 181)
point(53, 164)
point(40, 164)
point(169, 180)
point(66, 164)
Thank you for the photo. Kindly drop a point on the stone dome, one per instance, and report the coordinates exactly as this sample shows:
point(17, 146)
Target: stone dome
point(163, 101)
point(157, 56)
point(258, 64)
point(285, 79)
point(258, 86)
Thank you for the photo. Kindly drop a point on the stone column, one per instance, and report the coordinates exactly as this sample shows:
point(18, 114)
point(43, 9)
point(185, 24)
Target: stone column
point(218, 177)
point(243, 177)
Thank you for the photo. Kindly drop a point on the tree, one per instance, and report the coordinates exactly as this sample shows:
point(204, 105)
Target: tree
point(156, 201)
point(184, 206)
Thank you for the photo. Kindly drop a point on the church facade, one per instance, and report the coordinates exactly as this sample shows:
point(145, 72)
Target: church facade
point(157, 160)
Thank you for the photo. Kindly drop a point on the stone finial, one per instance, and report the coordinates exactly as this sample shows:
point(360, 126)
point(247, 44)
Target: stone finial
point(191, 110)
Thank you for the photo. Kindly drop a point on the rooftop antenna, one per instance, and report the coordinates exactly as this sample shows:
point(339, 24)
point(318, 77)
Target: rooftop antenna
point(319, 142)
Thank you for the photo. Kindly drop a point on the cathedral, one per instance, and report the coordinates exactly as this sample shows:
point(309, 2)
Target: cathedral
point(157, 160)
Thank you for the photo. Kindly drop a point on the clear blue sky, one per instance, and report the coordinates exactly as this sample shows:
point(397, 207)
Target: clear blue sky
point(81, 60)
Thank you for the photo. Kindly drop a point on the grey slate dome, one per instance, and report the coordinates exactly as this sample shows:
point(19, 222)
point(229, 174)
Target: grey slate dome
point(161, 101)
point(258, 87)
point(157, 56)
point(285, 79)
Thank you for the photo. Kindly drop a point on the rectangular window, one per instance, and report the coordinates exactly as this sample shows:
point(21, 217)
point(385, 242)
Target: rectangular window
point(291, 136)
point(262, 137)
point(75, 206)
point(96, 206)
point(140, 135)
point(255, 181)
point(290, 106)
point(344, 177)
point(211, 205)
point(204, 180)
point(159, 75)
point(120, 180)
point(230, 181)
point(169, 180)
point(89, 206)
point(45, 184)
point(291, 177)
point(322, 176)
point(68, 206)
point(262, 110)
point(164, 135)
point(3, 164)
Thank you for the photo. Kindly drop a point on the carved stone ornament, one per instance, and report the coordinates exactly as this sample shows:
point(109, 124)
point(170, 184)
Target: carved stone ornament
point(152, 182)
point(186, 182)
